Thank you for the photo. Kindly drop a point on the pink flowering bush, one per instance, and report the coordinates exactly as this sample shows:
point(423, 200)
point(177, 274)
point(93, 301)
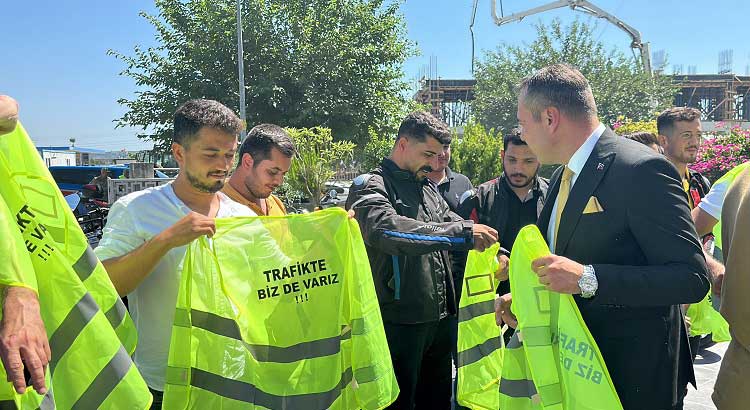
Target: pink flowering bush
point(722, 152)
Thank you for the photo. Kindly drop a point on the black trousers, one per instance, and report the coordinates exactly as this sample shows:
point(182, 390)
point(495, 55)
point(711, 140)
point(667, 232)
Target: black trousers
point(158, 397)
point(421, 355)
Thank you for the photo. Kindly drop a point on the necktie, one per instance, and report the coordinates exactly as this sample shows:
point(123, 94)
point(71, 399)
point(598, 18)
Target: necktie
point(562, 198)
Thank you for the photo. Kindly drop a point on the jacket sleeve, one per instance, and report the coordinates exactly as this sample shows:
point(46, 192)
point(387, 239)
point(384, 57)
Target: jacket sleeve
point(659, 219)
point(468, 205)
point(384, 229)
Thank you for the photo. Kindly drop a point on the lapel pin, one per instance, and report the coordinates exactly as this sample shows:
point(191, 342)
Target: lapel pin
point(600, 166)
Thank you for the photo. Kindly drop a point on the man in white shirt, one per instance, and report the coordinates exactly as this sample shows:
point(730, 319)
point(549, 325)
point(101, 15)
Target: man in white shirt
point(145, 239)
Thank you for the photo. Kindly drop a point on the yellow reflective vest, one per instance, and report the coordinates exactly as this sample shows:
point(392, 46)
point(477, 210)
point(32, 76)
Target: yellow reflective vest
point(566, 367)
point(480, 345)
point(279, 313)
point(91, 336)
point(727, 178)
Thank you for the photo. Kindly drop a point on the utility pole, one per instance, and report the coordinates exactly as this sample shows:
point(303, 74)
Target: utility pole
point(241, 69)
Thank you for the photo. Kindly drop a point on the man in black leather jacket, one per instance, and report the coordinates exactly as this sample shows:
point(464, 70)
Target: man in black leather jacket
point(408, 230)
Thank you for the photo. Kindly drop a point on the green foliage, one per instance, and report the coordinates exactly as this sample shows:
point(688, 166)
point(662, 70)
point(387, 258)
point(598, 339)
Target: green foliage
point(477, 153)
point(318, 155)
point(336, 64)
point(378, 147)
point(625, 126)
point(619, 84)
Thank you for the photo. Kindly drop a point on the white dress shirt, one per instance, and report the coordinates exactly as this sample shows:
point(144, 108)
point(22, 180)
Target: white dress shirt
point(576, 163)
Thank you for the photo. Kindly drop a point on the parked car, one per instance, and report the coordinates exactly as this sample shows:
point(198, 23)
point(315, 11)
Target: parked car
point(71, 179)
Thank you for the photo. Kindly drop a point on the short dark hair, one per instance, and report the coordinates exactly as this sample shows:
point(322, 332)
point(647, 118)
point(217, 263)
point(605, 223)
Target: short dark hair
point(264, 137)
point(193, 115)
point(420, 124)
point(666, 120)
point(513, 137)
point(561, 86)
point(645, 138)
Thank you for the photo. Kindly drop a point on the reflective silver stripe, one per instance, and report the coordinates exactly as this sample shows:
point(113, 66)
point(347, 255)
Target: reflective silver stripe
point(479, 352)
point(71, 327)
point(273, 354)
point(48, 403)
point(365, 198)
point(294, 353)
point(116, 314)
point(182, 318)
point(248, 393)
point(215, 324)
point(476, 309)
point(105, 382)
point(537, 336)
point(365, 374)
point(358, 326)
point(514, 342)
point(86, 264)
point(517, 388)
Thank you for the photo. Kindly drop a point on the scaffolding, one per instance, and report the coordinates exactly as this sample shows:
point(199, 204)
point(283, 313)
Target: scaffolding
point(449, 100)
point(719, 97)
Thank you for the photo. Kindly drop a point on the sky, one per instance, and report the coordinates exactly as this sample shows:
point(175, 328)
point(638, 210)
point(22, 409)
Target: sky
point(55, 60)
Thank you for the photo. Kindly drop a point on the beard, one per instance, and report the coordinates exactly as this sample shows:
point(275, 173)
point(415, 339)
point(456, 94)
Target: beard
point(256, 192)
point(527, 180)
point(422, 172)
point(204, 186)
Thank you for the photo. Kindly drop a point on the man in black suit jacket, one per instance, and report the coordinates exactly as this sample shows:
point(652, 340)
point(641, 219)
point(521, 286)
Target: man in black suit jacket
point(623, 243)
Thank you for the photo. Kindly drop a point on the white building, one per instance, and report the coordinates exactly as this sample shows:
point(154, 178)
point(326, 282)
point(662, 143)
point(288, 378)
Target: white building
point(56, 157)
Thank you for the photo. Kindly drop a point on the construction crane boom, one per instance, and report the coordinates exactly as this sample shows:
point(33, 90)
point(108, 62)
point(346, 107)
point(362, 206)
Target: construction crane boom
point(588, 8)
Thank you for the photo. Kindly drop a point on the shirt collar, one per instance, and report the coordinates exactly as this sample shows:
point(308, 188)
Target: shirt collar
point(578, 160)
point(236, 196)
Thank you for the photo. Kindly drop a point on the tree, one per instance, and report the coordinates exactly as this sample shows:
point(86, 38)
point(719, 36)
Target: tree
point(377, 147)
point(317, 157)
point(477, 153)
point(331, 63)
point(619, 84)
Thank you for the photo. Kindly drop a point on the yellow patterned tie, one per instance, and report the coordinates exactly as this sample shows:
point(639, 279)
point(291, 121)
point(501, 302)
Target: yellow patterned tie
point(562, 198)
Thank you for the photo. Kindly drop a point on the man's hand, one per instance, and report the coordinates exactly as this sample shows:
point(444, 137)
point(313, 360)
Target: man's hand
point(503, 313)
point(8, 114)
point(350, 214)
point(187, 229)
point(484, 237)
point(501, 273)
point(23, 339)
point(558, 273)
point(718, 282)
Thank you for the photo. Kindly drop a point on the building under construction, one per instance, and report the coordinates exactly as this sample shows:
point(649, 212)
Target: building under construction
point(448, 100)
point(719, 97)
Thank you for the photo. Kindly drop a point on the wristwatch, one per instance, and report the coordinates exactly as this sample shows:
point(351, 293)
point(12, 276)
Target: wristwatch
point(587, 282)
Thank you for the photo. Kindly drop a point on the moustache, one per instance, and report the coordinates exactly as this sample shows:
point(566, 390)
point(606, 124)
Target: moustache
point(519, 175)
point(218, 173)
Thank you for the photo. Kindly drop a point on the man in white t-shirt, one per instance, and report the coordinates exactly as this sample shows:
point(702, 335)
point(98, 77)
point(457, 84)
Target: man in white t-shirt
point(145, 239)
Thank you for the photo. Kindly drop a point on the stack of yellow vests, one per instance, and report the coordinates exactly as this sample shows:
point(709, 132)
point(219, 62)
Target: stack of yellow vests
point(90, 333)
point(279, 313)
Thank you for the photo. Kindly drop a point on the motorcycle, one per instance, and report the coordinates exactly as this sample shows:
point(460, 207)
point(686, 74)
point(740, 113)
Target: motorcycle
point(91, 215)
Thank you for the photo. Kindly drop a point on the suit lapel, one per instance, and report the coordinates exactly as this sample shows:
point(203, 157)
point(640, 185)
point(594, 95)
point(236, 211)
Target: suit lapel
point(552, 190)
point(591, 175)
